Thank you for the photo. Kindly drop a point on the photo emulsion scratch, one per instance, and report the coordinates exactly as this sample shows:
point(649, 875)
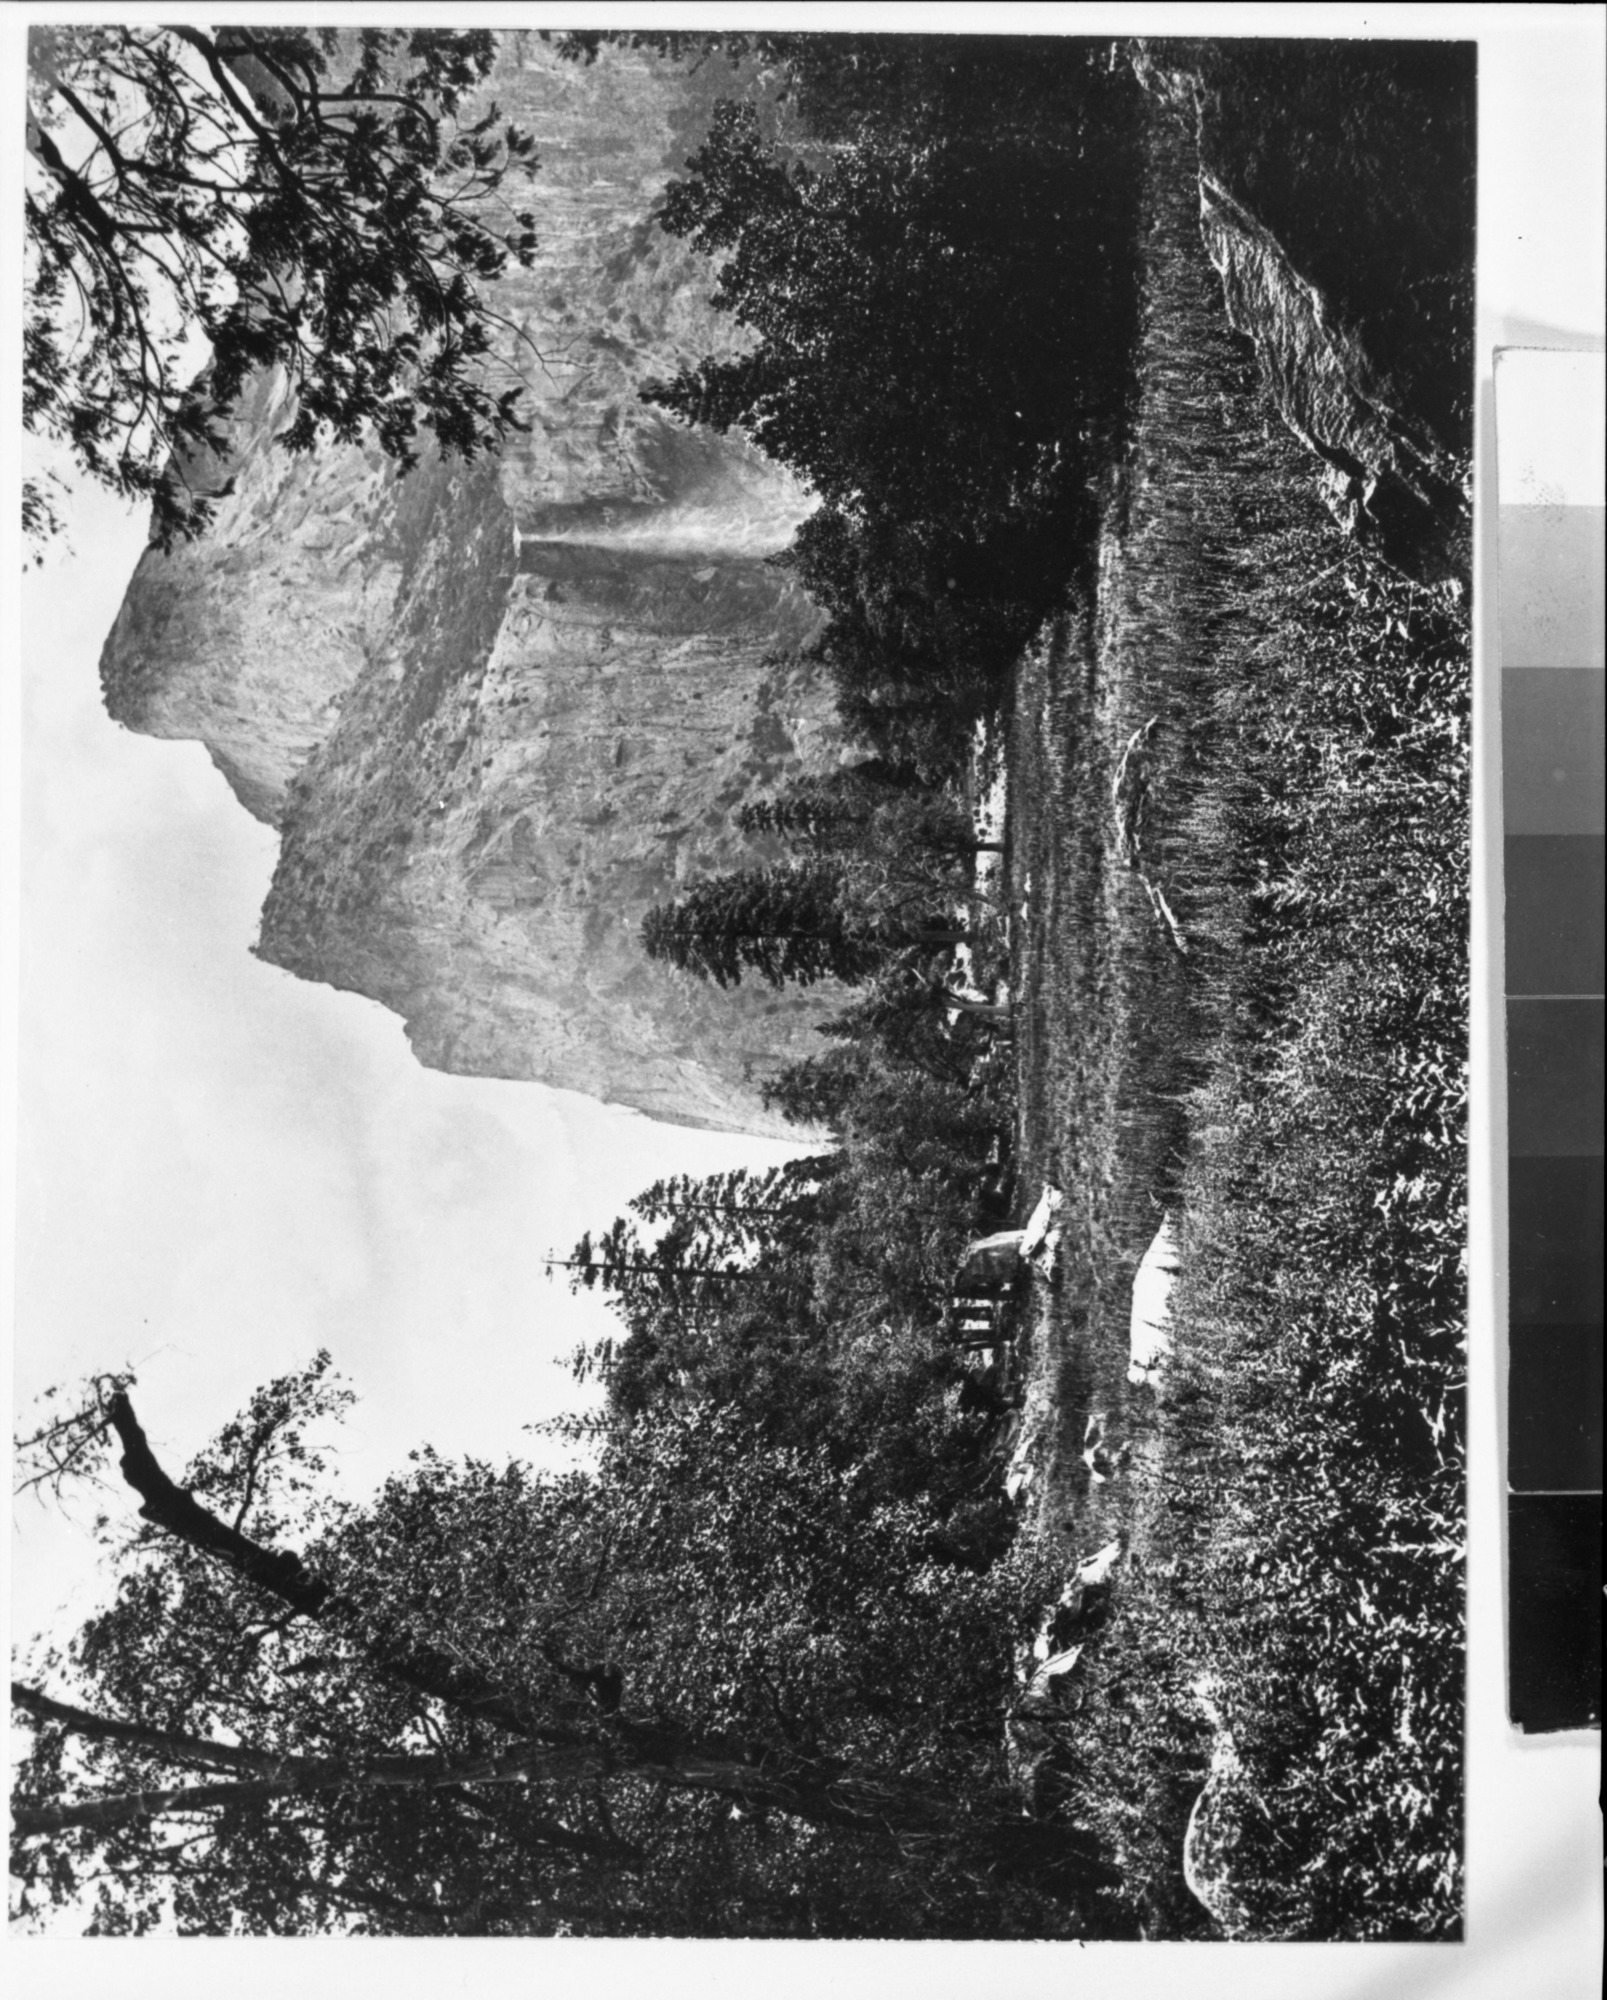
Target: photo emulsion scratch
point(867, 639)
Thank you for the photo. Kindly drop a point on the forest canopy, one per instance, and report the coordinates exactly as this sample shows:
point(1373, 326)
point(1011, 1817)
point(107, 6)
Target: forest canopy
point(715, 1685)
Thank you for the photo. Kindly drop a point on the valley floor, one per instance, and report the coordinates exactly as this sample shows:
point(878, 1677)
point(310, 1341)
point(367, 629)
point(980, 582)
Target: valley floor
point(1298, 717)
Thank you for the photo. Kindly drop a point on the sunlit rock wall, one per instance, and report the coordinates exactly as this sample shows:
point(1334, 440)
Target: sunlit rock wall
point(496, 710)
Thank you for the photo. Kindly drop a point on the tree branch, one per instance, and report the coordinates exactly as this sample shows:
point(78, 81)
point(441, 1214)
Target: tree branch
point(77, 196)
point(301, 1777)
point(207, 49)
point(169, 1506)
point(425, 1669)
point(177, 1747)
point(823, 1793)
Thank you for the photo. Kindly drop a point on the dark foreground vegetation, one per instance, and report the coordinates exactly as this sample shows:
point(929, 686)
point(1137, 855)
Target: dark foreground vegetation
point(752, 1667)
point(1293, 1089)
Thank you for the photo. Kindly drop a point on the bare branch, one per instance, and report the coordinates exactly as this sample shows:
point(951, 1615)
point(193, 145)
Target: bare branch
point(71, 1446)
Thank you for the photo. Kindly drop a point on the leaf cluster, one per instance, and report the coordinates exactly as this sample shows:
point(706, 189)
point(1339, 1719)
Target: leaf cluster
point(752, 1703)
point(299, 200)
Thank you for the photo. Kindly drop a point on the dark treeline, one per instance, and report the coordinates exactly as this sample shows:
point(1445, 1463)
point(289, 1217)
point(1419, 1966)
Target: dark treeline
point(931, 244)
point(932, 247)
point(813, 1298)
point(810, 1300)
point(931, 241)
point(875, 870)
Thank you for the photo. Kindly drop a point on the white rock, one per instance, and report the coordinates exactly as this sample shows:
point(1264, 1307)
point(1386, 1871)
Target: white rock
point(1096, 1570)
point(1053, 1669)
point(1041, 1219)
point(1149, 1340)
point(1016, 1484)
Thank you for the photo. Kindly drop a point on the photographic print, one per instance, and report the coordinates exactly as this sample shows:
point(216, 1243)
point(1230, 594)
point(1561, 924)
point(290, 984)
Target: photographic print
point(744, 1016)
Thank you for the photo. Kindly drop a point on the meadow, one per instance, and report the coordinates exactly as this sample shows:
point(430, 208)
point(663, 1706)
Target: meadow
point(1291, 1088)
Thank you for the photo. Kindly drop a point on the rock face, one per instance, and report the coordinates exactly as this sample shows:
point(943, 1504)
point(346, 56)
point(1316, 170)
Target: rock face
point(1382, 474)
point(497, 709)
point(1385, 473)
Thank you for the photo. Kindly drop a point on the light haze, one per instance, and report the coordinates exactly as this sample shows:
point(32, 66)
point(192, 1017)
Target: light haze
point(223, 1168)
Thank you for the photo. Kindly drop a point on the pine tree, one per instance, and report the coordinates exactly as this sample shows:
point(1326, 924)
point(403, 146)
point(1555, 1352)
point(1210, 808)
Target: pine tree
point(784, 923)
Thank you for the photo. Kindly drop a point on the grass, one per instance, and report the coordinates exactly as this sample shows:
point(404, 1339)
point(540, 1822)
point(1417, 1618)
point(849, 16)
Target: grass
point(1293, 1087)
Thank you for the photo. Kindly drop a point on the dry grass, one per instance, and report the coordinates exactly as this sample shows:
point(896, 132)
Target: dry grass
point(1292, 1502)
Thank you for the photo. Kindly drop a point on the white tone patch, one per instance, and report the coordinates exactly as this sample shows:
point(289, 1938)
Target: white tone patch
point(1036, 1234)
point(1149, 1333)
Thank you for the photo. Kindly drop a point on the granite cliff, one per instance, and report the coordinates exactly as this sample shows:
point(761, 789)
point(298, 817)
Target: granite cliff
point(495, 710)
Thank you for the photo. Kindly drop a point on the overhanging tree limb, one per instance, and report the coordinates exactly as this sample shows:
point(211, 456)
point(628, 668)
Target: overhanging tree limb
point(211, 186)
point(281, 1573)
point(266, 1774)
point(822, 1791)
point(301, 1777)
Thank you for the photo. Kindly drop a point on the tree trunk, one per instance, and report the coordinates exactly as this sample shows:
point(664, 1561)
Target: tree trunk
point(281, 1574)
point(269, 1774)
point(847, 1800)
point(823, 1794)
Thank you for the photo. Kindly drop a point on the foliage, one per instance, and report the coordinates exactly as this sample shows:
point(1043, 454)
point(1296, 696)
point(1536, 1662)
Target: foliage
point(875, 272)
point(783, 923)
point(829, 271)
point(1329, 1268)
point(295, 198)
point(904, 850)
point(743, 1208)
point(1359, 157)
point(746, 1673)
point(1295, 1091)
point(918, 88)
point(68, 1440)
point(716, 1685)
point(841, 917)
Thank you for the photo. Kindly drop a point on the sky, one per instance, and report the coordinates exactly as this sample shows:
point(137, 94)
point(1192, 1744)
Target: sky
point(223, 1168)
point(220, 1168)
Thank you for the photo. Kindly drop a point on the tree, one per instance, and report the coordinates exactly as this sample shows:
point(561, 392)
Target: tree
point(308, 200)
point(814, 1303)
point(823, 811)
point(713, 1686)
point(873, 809)
point(838, 918)
point(782, 922)
point(876, 288)
point(919, 86)
point(670, 1291)
point(932, 248)
point(741, 1211)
